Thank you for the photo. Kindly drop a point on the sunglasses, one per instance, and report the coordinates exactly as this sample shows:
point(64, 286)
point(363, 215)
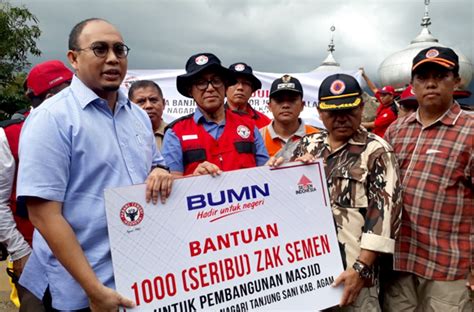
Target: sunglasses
point(101, 49)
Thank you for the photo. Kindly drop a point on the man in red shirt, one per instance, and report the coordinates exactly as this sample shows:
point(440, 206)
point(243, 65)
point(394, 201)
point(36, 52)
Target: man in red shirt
point(434, 252)
point(238, 95)
point(386, 113)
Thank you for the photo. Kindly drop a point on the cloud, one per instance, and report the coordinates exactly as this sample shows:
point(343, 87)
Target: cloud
point(273, 36)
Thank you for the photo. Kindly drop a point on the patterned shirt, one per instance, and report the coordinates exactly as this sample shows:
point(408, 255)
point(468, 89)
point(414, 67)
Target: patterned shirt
point(436, 163)
point(364, 188)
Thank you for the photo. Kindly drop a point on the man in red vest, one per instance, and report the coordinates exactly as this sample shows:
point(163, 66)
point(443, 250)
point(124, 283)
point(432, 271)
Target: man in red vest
point(16, 231)
point(238, 95)
point(212, 139)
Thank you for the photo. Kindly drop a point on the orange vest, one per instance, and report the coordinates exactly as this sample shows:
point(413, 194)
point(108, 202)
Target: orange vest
point(273, 146)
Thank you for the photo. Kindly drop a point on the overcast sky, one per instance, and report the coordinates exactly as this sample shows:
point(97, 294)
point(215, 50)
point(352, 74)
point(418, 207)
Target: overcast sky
point(270, 35)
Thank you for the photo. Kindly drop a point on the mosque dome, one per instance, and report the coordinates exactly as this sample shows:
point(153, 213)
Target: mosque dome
point(395, 70)
point(328, 65)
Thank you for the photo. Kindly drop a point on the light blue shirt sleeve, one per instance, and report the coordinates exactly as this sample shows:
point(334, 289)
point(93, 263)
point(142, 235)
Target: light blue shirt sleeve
point(172, 151)
point(261, 154)
point(45, 158)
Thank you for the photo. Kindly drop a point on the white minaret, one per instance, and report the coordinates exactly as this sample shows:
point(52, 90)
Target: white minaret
point(330, 64)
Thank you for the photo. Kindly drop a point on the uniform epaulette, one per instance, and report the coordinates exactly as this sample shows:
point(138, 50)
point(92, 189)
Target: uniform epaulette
point(171, 124)
point(6, 123)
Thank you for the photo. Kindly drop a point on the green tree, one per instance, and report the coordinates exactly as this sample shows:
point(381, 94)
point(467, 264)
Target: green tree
point(12, 96)
point(18, 35)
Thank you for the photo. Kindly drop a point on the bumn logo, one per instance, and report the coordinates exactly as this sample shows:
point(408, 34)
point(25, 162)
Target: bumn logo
point(305, 185)
point(246, 193)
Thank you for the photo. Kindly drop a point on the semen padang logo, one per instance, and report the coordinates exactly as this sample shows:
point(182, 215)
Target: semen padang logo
point(305, 185)
point(243, 132)
point(131, 214)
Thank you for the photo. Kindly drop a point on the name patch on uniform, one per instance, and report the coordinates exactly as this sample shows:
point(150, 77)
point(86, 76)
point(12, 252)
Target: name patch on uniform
point(286, 85)
point(189, 137)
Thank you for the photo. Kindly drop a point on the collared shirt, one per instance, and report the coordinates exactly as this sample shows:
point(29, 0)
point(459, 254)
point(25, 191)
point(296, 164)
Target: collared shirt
point(160, 134)
point(363, 183)
point(9, 235)
point(173, 153)
point(436, 163)
point(73, 147)
point(284, 147)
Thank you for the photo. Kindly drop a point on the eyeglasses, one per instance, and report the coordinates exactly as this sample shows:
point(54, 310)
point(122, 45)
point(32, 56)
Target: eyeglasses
point(202, 85)
point(101, 49)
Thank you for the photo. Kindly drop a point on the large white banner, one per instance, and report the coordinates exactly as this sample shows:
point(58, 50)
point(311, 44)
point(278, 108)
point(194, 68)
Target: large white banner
point(178, 105)
point(252, 239)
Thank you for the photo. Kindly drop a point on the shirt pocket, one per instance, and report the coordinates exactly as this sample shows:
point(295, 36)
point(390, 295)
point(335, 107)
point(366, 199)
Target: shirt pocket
point(446, 168)
point(348, 188)
point(143, 139)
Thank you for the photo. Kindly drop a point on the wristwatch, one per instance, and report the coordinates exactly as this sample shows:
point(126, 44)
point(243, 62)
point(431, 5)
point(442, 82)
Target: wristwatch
point(161, 167)
point(364, 270)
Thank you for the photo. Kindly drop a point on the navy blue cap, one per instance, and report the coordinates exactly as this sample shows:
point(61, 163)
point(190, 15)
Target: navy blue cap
point(198, 63)
point(339, 91)
point(286, 83)
point(242, 69)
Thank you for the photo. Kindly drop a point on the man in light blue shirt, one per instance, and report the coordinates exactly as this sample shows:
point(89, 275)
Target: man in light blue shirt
point(86, 138)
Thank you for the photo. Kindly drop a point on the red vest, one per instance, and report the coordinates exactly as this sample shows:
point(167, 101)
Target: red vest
point(234, 149)
point(385, 115)
point(260, 119)
point(12, 132)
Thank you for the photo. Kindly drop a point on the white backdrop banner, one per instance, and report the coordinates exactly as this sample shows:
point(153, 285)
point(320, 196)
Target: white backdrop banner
point(178, 105)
